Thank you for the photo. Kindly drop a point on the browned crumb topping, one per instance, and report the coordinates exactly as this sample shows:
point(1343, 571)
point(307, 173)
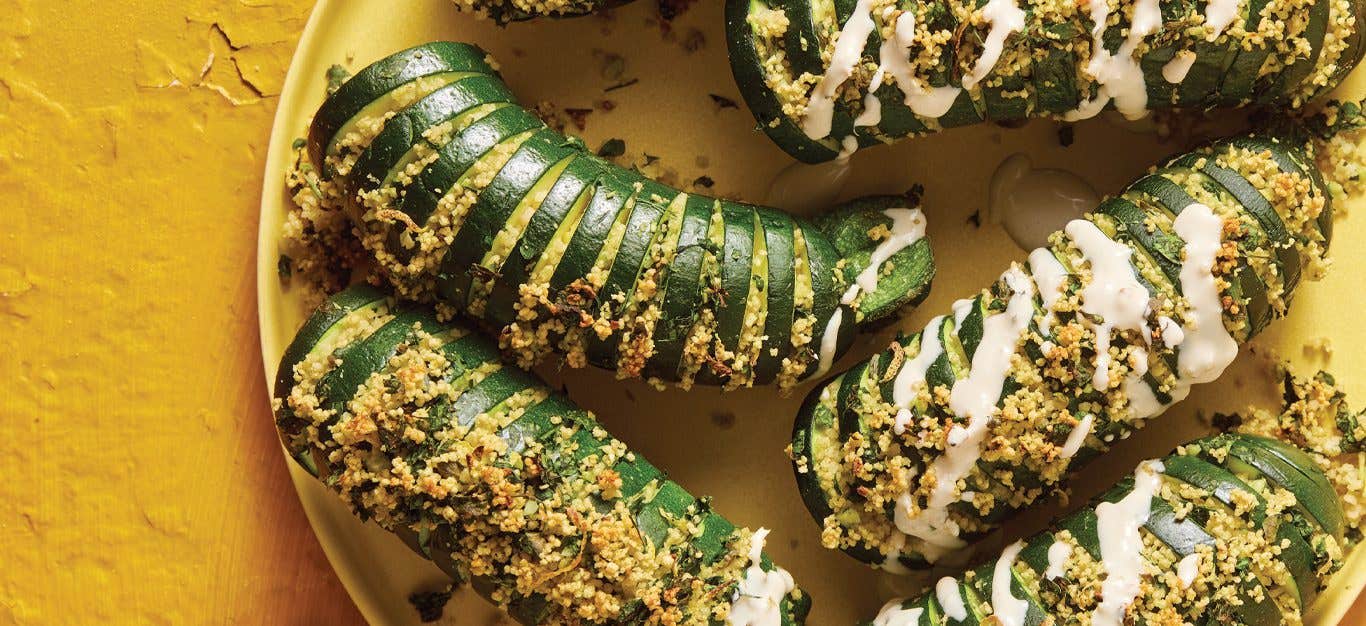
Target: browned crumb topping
point(544, 514)
point(1050, 378)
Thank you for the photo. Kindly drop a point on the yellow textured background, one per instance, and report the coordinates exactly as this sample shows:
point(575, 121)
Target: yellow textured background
point(140, 479)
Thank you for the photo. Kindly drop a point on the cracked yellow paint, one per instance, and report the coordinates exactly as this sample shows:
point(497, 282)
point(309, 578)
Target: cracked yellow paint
point(140, 480)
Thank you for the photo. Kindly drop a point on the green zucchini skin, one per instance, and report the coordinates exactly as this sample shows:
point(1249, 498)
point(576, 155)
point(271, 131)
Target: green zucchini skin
point(1195, 481)
point(895, 410)
point(395, 411)
point(1043, 68)
point(467, 199)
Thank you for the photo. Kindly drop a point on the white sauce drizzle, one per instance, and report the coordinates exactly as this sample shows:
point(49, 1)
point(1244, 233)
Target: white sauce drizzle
point(973, 397)
point(1219, 14)
point(1121, 544)
point(893, 59)
point(829, 342)
point(1113, 293)
point(1172, 335)
point(1118, 75)
point(1077, 436)
point(758, 600)
point(1030, 204)
point(961, 308)
point(1058, 553)
point(820, 108)
point(1187, 569)
point(950, 598)
point(1006, 18)
point(1176, 69)
point(1051, 277)
point(908, 227)
point(1008, 610)
point(912, 374)
point(1206, 348)
point(893, 615)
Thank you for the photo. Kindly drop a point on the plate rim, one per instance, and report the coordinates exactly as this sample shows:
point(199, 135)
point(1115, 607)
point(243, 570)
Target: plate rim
point(268, 298)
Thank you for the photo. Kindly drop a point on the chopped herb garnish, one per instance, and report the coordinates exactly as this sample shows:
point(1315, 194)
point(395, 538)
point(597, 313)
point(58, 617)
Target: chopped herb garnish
point(336, 75)
point(621, 85)
point(284, 266)
point(723, 102)
point(431, 604)
point(612, 148)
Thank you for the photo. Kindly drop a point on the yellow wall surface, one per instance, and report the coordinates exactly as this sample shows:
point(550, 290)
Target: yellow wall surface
point(140, 479)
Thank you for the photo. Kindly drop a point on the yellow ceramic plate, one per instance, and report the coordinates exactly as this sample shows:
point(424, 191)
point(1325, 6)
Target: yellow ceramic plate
point(731, 446)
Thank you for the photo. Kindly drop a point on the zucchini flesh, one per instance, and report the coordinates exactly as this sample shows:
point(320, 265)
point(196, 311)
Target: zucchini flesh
point(906, 68)
point(1202, 550)
point(1015, 385)
point(419, 426)
point(465, 198)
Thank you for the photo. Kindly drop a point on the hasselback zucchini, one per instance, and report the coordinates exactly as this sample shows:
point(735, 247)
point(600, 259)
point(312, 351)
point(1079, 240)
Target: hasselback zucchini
point(418, 425)
point(827, 77)
point(466, 198)
point(504, 11)
point(1230, 529)
point(932, 442)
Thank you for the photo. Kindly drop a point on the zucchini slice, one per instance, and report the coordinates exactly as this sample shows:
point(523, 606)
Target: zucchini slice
point(1169, 551)
point(465, 198)
point(375, 87)
point(482, 468)
point(1032, 61)
point(1029, 379)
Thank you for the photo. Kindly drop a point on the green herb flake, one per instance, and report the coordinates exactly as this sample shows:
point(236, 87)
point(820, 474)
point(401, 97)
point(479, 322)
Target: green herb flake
point(612, 148)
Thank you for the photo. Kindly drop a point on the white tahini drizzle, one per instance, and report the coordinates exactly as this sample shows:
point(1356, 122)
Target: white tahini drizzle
point(1206, 348)
point(1058, 553)
point(1030, 204)
point(758, 600)
point(912, 373)
point(893, 615)
point(1113, 293)
point(1188, 568)
point(1172, 335)
point(1117, 525)
point(1077, 436)
point(829, 342)
point(1176, 69)
point(893, 59)
point(891, 560)
point(1051, 277)
point(820, 108)
point(1006, 18)
point(974, 398)
point(908, 227)
point(1219, 14)
point(1118, 75)
point(950, 598)
point(1009, 610)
